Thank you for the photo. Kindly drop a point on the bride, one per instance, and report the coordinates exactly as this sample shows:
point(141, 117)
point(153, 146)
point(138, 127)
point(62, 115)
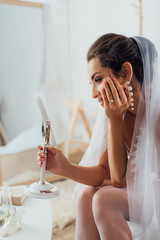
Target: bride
point(119, 175)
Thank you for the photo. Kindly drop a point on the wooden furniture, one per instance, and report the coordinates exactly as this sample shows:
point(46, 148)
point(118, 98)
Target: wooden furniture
point(140, 17)
point(21, 169)
point(3, 136)
point(77, 109)
point(3, 141)
point(22, 3)
point(139, 7)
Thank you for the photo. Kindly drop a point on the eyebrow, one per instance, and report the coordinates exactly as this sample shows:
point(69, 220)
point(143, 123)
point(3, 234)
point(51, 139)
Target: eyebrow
point(94, 75)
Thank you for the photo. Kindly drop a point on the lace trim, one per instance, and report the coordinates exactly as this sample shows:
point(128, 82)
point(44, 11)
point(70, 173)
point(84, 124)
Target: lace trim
point(139, 152)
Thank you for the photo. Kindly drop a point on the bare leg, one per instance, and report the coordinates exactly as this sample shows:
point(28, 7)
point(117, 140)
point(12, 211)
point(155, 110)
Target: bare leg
point(110, 210)
point(85, 224)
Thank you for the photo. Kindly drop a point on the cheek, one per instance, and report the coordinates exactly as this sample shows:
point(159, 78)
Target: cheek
point(97, 87)
point(101, 86)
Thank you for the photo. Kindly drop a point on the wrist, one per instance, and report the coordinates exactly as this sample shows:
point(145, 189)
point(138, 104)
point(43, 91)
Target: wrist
point(116, 121)
point(67, 168)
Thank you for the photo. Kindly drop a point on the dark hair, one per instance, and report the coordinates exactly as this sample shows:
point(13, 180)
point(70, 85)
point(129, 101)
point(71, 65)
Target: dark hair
point(112, 50)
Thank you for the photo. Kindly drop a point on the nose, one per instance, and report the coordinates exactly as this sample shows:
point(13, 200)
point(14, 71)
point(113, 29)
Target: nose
point(94, 92)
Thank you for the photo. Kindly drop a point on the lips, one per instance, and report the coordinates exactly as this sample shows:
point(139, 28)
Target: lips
point(100, 100)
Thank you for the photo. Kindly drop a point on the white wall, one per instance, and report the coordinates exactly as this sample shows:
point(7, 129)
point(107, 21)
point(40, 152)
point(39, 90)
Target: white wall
point(21, 66)
point(151, 20)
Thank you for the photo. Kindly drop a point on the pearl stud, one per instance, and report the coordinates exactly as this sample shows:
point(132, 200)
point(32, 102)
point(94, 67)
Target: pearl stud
point(130, 88)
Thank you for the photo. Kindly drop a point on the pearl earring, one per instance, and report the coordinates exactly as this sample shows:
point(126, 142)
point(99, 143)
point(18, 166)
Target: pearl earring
point(131, 94)
point(129, 88)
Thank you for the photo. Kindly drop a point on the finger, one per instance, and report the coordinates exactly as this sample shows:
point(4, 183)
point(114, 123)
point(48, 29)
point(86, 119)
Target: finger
point(42, 155)
point(40, 147)
point(121, 92)
point(108, 92)
point(52, 149)
point(39, 153)
point(40, 159)
point(39, 164)
point(127, 93)
point(104, 96)
point(114, 90)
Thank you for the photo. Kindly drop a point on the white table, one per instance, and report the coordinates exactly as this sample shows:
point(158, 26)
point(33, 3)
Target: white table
point(36, 221)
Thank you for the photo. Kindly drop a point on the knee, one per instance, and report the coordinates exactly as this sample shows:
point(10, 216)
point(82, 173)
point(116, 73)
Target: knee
point(85, 196)
point(102, 205)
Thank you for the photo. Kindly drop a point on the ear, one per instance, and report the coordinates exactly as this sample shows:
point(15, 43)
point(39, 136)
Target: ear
point(127, 71)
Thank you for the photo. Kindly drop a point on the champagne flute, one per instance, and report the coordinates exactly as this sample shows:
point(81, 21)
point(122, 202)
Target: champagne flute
point(5, 208)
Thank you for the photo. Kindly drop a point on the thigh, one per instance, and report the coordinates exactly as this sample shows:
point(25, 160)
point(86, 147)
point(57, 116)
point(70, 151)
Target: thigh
point(110, 198)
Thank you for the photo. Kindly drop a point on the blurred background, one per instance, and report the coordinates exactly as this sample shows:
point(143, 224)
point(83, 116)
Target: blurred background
point(43, 47)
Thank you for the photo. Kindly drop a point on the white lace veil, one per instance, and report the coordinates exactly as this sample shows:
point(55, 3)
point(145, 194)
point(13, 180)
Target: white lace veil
point(143, 171)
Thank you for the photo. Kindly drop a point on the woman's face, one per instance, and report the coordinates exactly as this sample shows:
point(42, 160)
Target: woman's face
point(98, 77)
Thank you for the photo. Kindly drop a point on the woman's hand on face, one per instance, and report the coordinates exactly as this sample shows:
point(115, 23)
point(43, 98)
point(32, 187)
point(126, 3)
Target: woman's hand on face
point(115, 100)
point(56, 162)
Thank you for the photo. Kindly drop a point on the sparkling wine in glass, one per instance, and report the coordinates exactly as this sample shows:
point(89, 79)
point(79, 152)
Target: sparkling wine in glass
point(5, 208)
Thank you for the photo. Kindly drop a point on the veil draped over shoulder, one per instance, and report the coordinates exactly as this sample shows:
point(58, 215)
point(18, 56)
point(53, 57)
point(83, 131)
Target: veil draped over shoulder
point(143, 170)
point(143, 173)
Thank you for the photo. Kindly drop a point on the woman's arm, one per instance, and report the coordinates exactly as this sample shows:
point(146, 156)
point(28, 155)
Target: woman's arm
point(117, 155)
point(93, 176)
point(115, 110)
point(57, 163)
